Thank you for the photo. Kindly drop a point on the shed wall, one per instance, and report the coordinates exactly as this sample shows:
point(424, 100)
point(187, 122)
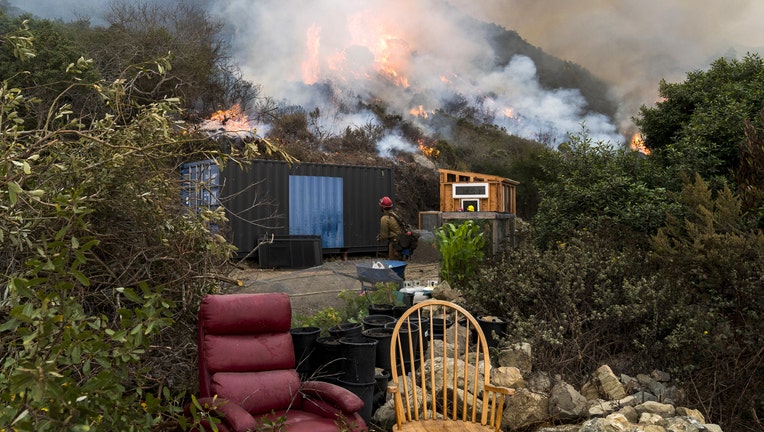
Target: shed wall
point(260, 203)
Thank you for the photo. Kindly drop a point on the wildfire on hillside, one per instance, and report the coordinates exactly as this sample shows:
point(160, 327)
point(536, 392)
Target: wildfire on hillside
point(428, 151)
point(230, 120)
point(370, 49)
point(638, 144)
point(419, 112)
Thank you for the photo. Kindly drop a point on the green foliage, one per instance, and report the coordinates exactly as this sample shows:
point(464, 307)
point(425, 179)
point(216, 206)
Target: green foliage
point(749, 174)
point(699, 124)
point(686, 300)
point(104, 267)
point(601, 189)
point(579, 303)
point(461, 249)
point(324, 319)
point(711, 263)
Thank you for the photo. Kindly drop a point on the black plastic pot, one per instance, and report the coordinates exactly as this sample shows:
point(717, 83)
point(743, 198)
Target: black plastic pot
point(305, 353)
point(382, 336)
point(494, 328)
point(423, 323)
point(377, 321)
point(329, 359)
point(398, 311)
point(403, 336)
point(365, 391)
point(380, 309)
point(359, 356)
point(439, 326)
point(380, 388)
point(346, 330)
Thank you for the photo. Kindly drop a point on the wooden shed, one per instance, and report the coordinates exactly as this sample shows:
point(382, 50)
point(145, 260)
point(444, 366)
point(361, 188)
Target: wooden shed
point(486, 193)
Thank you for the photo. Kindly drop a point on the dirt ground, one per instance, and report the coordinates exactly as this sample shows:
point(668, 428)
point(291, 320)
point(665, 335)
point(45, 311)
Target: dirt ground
point(316, 288)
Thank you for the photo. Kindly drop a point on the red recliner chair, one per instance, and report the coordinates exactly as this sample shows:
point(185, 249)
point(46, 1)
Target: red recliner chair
point(247, 373)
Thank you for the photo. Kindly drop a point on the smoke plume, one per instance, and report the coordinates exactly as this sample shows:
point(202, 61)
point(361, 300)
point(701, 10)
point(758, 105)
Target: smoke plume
point(419, 56)
point(632, 44)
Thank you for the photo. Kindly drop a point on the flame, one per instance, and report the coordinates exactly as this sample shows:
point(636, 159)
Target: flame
point(509, 112)
point(311, 66)
point(389, 54)
point(638, 144)
point(427, 150)
point(419, 112)
point(232, 119)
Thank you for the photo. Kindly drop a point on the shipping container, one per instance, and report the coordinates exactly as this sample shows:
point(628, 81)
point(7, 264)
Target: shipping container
point(337, 203)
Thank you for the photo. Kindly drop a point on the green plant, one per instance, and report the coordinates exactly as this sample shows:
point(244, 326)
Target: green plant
point(461, 249)
point(271, 423)
point(345, 425)
point(323, 319)
point(103, 266)
point(202, 415)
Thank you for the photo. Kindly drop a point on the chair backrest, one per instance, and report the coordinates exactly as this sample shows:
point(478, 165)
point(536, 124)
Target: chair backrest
point(245, 351)
point(442, 375)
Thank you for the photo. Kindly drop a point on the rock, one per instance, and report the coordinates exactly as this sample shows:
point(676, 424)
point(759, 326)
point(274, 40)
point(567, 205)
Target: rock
point(589, 391)
point(651, 419)
point(601, 408)
point(611, 423)
point(443, 291)
point(540, 382)
point(504, 376)
point(525, 408)
point(684, 424)
point(630, 413)
point(660, 376)
point(661, 409)
point(517, 355)
point(561, 428)
point(692, 413)
point(608, 384)
point(565, 402)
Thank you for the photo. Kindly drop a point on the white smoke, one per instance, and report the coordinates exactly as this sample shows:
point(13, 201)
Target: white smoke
point(389, 144)
point(347, 45)
point(632, 45)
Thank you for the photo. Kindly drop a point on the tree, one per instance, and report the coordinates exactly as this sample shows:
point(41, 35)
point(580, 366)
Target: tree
point(593, 186)
point(699, 124)
point(138, 33)
point(46, 75)
point(104, 268)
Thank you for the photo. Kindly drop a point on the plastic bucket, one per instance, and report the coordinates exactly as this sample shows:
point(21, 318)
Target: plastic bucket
point(381, 309)
point(494, 328)
point(329, 359)
point(304, 343)
point(365, 391)
point(377, 321)
point(382, 336)
point(380, 389)
point(360, 356)
point(439, 326)
point(346, 330)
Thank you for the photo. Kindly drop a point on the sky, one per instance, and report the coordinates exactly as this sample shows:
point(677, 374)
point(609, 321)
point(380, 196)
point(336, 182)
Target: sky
point(429, 54)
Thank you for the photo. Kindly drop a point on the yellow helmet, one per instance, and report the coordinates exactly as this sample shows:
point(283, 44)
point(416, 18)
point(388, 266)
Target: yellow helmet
point(470, 208)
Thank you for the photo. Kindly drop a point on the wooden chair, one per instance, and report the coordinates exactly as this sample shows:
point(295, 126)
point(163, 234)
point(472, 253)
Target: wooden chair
point(429, 392)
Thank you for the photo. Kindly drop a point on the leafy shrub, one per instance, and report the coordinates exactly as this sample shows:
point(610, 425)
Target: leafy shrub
point(689, 304)
point(104, 266)
point(461, 247)
point(576, 302)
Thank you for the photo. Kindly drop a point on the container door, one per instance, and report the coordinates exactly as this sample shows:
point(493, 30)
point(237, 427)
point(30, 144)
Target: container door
point(315, 208)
